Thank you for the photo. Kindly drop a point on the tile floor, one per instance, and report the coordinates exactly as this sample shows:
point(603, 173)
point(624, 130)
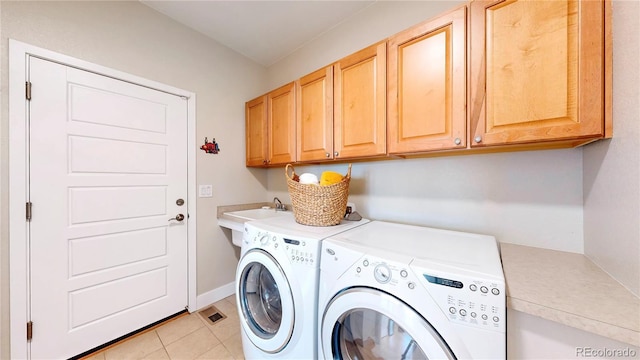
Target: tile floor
point(187, 337)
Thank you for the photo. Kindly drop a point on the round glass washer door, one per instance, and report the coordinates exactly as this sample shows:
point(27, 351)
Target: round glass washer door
point(363, 324)
point(266, 301)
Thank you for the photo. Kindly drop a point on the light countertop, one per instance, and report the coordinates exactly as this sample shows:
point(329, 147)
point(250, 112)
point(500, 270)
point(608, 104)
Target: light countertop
point(570, 289)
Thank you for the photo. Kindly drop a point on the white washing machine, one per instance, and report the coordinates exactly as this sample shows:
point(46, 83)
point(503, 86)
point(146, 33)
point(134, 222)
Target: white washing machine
point(392, 291)
point(277, 287)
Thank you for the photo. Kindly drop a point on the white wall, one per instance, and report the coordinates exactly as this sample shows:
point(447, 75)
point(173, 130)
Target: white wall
point(133, 38)
point(530, 198)
point(612, 168)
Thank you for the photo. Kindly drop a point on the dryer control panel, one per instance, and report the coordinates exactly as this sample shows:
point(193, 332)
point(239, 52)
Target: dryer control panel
point(468, 301)
point(462, 299)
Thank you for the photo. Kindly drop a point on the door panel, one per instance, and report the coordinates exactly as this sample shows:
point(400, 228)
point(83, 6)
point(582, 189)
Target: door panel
point(115, 109)
point(536, 70)
point(256, 130)
point(360, 103)
point(315, 115)
point(141, 245)
point(427, 90)
point(115, 203)
point(281, 120)
point(508, 65)
point(90, 155)
point(108, 159)
point(149, 286)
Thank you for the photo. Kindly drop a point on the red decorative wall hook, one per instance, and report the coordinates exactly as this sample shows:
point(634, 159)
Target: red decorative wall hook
point(210, 147)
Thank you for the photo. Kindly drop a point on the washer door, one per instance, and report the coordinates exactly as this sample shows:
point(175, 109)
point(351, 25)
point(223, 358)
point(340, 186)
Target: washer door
point(363, 323)
point(266, 301)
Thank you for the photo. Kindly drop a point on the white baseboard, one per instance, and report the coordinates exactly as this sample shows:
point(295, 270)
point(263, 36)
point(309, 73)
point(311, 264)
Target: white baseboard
point(214, 295)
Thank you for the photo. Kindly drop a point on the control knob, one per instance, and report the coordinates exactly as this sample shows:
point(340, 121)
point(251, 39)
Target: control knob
point(382, 273)
point(264, 240)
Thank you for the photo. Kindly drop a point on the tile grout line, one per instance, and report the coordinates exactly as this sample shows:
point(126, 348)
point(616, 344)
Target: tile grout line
point(229, 306)
point(129, 338)
point(210, 329)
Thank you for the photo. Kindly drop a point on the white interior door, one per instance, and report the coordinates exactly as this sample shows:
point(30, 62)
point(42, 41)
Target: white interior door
point(108, 162)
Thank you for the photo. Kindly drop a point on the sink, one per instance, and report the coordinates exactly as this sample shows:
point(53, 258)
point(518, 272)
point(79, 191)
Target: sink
point(256, 214)
point(235, 220)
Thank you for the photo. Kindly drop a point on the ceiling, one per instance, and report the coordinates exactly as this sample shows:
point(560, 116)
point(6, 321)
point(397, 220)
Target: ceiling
point(264, 31)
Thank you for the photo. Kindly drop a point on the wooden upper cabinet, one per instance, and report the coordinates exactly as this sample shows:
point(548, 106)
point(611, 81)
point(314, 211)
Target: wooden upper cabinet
point(315, 115)
point(537, 71)
point(427, 86)
point(281, 125)
point(271, 128)
point(256, 131)
point(502, 74)
point(360, 103)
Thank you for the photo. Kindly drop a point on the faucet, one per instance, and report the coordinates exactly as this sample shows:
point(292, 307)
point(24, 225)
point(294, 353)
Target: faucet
point(279, 205)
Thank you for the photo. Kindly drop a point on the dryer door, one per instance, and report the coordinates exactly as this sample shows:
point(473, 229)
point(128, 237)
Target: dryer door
point(265, 300)
point(363, 323)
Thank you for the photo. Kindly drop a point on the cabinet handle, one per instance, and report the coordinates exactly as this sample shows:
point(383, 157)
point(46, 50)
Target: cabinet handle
point(457, 141)
point(264, 162)
point(327, 154)
point(477, 139)
point(336, 153)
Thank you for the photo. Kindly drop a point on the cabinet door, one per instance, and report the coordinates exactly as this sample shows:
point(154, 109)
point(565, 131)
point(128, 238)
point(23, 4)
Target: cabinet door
point(536, 71)
point(315, 115)
point(281, 122)
point(427, 86)
point(256, 131)
point(360, 103)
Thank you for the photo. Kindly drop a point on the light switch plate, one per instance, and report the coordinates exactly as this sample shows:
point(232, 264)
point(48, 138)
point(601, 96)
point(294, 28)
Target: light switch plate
point(205, 191)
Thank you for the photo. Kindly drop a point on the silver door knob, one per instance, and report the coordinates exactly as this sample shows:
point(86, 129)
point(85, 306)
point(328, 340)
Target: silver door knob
point(457, 141)
point(477, 139)
point(178, 217)
point(336, 153)
point(327, 154)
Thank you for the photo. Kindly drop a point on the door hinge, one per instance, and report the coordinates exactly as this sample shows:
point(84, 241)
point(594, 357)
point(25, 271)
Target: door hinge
point(27, 86)
point(28, 210)
point(29, 330)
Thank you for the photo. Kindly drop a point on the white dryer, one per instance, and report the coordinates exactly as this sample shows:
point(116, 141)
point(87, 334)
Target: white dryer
point(277, 287)
point(392, 291)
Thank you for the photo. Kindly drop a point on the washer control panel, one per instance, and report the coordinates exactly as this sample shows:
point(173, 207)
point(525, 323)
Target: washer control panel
point(298, 251)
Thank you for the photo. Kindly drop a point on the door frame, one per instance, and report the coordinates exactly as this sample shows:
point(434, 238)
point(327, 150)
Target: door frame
point(18, 186)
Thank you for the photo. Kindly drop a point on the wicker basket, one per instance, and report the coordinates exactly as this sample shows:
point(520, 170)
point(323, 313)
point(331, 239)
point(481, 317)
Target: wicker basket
point(317, 205)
